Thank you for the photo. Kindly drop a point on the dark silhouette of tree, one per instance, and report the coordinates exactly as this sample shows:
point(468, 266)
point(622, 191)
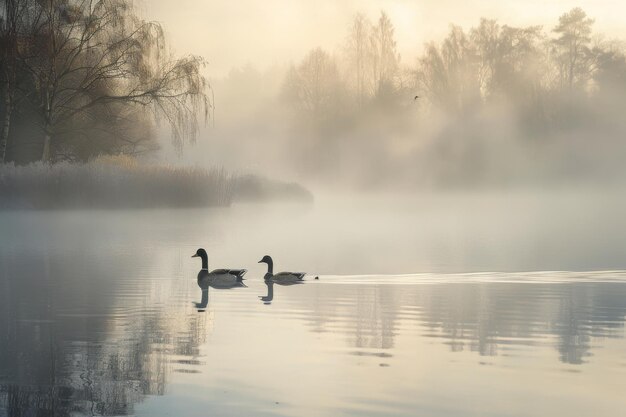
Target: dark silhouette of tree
point(12, 12)
point(97, 71)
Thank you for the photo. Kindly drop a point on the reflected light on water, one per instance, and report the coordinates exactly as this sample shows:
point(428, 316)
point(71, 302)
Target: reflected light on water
point(111, 326)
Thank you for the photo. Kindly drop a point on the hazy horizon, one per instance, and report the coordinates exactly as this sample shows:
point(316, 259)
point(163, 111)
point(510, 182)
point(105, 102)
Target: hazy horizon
point(280, 32)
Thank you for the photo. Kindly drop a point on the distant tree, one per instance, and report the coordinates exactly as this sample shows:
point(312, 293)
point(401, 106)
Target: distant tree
point(384, 58)
point(358, 53)
point(610, 73)
point(508, 58)
point(572, 48)
point(449, 73)
point(486, 39)
point(314, 86)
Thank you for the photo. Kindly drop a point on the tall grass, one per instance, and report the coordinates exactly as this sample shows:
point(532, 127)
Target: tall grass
point(112, 182)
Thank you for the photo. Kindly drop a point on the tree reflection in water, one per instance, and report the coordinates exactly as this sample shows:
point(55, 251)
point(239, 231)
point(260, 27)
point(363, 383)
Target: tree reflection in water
point(77, 347)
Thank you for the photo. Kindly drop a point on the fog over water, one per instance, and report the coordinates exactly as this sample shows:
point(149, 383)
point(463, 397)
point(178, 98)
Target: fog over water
point(101, 321)
point(502, 100)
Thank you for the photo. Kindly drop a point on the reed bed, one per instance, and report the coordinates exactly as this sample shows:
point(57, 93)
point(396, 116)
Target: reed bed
point(112, 182)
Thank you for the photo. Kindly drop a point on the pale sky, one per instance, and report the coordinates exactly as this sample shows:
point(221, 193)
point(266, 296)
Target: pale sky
point(232, 33)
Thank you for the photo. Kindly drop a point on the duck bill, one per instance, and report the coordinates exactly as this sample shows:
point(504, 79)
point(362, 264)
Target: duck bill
point(194, 256)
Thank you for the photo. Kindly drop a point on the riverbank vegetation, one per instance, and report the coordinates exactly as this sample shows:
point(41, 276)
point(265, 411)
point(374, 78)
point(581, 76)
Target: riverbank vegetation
point(123, 182)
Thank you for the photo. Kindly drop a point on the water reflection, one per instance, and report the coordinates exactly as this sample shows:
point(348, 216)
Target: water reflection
point(108, 326)
point(87, 338)
point(269, 283)
point(267, 299)
point(201, 306)
point(63, 357)
point(489, 318)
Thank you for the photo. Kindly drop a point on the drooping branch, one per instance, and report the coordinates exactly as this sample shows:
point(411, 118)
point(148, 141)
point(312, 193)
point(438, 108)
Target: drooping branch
point(84, 55)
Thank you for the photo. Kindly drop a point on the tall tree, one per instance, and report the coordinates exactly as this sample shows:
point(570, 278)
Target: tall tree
point(358, 52)
point(12, 11)
point(94, 63)
point(572, 47)
point(384, 56)
point(314, 85)
point(449, 73)
point(506, 57)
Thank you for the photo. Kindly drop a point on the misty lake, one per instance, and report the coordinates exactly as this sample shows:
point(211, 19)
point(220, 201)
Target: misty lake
point(97, 313)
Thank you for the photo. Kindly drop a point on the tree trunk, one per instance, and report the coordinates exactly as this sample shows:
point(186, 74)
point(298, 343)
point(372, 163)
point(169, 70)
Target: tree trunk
point(4, 134)
point(45, 157)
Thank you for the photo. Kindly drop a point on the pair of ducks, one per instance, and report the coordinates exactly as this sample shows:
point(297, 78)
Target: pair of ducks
point(229, 278)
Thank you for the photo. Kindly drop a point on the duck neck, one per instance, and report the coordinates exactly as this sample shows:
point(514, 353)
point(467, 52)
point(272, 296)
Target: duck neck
point(270, 266)
point(205, 262)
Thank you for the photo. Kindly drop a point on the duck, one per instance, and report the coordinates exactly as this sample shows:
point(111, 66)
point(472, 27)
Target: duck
point(218, 278)
point(281, 278)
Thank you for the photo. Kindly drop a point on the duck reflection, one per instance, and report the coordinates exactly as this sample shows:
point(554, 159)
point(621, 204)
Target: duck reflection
point(204, 302)
point(60, 356)
point(267, 299)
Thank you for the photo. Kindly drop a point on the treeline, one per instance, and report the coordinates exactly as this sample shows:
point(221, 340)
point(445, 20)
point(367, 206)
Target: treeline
point(520, 85)
point(80, 78)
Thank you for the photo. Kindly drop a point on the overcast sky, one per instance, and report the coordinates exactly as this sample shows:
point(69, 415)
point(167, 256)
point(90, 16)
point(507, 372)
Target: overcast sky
point(232, 33)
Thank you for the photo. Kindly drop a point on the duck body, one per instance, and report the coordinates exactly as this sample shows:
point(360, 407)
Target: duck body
point(281, 278)
point(221, 278)
point(218, 278)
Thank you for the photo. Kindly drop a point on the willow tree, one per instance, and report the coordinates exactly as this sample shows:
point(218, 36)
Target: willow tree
point(96, 63)
point(11, 13)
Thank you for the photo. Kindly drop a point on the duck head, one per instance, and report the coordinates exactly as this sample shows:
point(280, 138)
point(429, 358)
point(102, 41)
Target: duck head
point(270, 264)
point(201, 253)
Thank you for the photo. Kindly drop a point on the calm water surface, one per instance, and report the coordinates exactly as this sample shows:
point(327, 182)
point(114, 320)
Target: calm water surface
point(98, 314)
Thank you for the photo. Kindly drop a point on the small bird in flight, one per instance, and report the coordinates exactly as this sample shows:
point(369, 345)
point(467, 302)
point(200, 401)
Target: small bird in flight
point(416, 97)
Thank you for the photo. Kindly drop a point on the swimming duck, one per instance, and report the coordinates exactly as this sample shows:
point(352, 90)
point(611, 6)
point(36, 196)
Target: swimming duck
point(281, 278)
point(218, 278)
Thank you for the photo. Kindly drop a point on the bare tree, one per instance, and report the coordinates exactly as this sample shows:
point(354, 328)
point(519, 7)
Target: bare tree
point(12, 11)
point(358, 51)
point(384, 56)
point(572, 47)
point(90, 58)
point(314, 85)
point(449, 73)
